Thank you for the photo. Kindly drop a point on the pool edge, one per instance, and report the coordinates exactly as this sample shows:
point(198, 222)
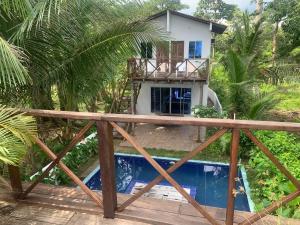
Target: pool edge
point(242, 169)
point(247, 188)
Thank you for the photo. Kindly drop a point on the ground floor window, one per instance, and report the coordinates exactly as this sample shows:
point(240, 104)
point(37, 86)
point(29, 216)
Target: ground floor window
point(171, 100)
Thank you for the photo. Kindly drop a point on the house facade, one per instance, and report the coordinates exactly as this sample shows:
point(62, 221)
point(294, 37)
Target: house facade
point(173, 78)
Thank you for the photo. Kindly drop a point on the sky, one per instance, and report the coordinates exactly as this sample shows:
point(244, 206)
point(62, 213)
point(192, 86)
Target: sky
point(243, 4)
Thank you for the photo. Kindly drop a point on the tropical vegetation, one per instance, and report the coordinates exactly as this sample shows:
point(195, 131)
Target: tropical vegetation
point(71, 55)
point(256, 76)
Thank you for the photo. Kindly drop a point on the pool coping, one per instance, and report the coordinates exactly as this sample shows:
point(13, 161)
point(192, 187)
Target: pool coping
point(242, 169)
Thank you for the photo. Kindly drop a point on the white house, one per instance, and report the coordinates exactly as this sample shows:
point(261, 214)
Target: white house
point(173, 78)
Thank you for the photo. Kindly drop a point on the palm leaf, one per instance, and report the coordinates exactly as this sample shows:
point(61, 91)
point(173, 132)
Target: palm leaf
point(261, 104)
point(16, 7)
point(12, 71)
point(77, 45)
point(16, 131)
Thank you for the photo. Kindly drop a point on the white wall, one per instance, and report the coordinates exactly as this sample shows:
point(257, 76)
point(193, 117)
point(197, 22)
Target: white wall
point(143, 106)
point(183, 29)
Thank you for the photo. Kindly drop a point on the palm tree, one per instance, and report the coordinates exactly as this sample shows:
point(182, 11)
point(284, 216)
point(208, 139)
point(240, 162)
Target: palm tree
point(241, 67)
point(77, 45)
point(16, 129)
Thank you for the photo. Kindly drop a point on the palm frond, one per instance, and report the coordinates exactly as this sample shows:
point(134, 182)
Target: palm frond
point(16, 7)
point(80, 46)
point(261, 104)
point(236, 67)
point(16, 131)
point(12, 71)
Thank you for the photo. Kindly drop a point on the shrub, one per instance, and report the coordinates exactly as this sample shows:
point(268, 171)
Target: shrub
point(268, 183)
point(207, 112)
point(77, 157)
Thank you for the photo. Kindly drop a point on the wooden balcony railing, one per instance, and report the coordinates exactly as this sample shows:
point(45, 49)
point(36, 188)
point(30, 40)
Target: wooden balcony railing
point(105, 124)
point(169, 69)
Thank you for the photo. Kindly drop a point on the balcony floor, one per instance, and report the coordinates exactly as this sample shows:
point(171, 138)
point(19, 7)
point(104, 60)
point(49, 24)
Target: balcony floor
point(48, 205)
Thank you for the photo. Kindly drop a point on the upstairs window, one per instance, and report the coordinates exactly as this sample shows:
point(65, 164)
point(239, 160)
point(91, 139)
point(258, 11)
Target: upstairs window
point(146, 50)
point(195, 49)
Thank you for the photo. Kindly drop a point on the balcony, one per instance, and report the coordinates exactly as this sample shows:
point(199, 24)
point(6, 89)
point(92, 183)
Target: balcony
point(173, 69)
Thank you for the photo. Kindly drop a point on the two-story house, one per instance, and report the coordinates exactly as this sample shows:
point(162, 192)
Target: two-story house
point(173, 78)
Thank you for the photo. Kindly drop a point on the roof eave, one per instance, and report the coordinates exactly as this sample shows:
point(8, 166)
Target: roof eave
point(216, 27)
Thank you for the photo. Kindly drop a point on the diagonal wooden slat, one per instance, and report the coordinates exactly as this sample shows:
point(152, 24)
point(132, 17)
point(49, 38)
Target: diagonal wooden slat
point(74, 141)
point(69, 173)
point(164, 173)
point(174, 167)
point(269, 154)
point(196, 68)
point(271, 208)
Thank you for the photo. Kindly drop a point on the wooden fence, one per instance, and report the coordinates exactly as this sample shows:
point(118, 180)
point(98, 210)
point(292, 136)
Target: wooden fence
point(105, 124)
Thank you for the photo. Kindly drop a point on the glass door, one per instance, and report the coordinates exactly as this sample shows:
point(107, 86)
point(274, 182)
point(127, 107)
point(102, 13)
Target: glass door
point(175, 101)
point(165, 100)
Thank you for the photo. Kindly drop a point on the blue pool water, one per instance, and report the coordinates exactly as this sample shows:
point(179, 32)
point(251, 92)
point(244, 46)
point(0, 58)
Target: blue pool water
point(208, 181)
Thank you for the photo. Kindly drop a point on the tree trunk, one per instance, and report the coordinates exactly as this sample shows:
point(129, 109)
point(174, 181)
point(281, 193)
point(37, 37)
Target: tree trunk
point(274, 43)
point(259, 10)
point(41, 96)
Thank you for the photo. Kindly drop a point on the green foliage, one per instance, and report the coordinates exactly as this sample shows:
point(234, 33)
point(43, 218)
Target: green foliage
point(12, 71)
point(77, 157)
point(15, 135)
point(291, 26)
point(16, 129)
point(295, 53)
point(219, 82)
point(246, 39)
point(97, 37)
point(207, 112)
point(261, 104)
point(278, 9)
point(215, 10)
point(221, 146)
point(287, 94)
point(155, 6)
point(238, 79)
point(268, 183)
point(16, 8)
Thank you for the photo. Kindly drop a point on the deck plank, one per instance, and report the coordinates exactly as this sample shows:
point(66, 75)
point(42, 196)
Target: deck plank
point(42, 214)
point(64, 206)
point(9, 220)
point(85, 219)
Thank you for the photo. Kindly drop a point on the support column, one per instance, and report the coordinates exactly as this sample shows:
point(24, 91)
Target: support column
point(15, 180)
point(235, 141)
point(107, 165)
point(204, 96)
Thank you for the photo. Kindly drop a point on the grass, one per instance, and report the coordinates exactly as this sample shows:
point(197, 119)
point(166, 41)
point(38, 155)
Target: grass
point(212, 153)
point(288, 95)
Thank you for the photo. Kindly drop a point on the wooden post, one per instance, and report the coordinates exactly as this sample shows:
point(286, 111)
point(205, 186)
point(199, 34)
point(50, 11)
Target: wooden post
point(235, 140)
point(15, 180)
point(107, 165)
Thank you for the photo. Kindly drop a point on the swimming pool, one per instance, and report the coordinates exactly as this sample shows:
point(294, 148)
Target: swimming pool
point(206, 182)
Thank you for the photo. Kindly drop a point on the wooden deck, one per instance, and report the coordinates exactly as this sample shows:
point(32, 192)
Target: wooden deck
point(65, 206)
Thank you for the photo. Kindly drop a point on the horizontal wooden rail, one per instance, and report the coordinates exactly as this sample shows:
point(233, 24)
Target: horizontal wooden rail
point(105, 124)
point(170, 120)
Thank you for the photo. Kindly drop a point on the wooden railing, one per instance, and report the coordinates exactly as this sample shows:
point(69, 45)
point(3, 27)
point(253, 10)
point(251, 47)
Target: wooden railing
point(168, 69)
point(105, 124)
